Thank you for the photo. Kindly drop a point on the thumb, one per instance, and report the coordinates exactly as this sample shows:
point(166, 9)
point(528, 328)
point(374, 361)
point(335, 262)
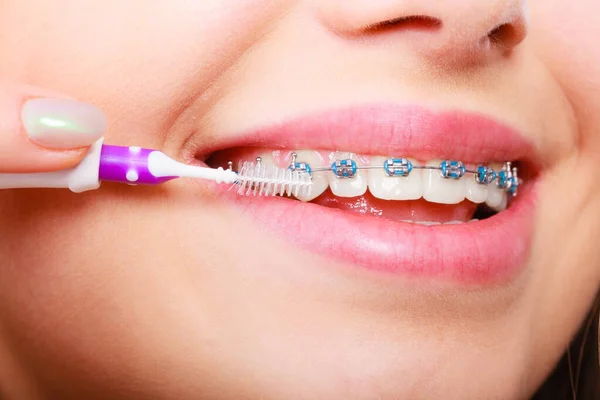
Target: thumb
point(44, 131)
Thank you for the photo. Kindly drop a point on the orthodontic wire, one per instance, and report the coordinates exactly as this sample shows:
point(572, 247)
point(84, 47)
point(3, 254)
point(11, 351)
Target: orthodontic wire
point(506, 179)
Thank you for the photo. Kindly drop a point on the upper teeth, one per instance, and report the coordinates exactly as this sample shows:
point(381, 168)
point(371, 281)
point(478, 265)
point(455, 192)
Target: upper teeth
point(438, 189)
point(348, 180)
point(397, 178)
point(387, 187)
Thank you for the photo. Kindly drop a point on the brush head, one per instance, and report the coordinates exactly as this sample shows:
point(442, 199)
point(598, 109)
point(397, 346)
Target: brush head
point(256, 179)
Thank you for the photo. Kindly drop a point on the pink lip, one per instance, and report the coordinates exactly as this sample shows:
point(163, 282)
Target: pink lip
point(481, 253)
point(393, 130)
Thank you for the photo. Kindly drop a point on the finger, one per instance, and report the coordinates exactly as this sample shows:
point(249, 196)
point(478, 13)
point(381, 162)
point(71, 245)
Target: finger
point(44, 131)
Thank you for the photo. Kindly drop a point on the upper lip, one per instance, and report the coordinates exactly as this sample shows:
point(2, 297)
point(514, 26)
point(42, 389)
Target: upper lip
point(392, 130)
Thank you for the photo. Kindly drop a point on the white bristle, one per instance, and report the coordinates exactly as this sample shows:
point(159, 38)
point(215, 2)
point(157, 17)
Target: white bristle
point(256, 179)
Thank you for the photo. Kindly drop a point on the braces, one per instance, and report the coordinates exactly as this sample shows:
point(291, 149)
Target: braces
point(506, 179)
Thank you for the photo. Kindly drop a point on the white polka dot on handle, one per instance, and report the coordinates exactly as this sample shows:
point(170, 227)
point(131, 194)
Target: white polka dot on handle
point(135, 149)
point(132, 175)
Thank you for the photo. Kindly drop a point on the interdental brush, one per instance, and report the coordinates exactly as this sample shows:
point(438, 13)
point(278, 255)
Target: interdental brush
point(140, 166)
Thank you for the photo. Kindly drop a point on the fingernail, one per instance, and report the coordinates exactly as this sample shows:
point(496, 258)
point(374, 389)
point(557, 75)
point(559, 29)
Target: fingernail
point(62, 123)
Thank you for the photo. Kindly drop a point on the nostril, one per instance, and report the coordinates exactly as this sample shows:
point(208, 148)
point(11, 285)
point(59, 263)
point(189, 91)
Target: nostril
point(505, 36)
point(412, 22)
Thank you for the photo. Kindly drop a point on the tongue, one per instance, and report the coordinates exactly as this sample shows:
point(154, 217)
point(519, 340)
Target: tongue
point(414, 210)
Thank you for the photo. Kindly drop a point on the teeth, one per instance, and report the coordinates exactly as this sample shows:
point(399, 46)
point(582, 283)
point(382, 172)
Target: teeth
point(352, 187)
point(494, 197)
point(394, 188)
point(497, 199)
point(475, 192)
point(425, 183)
point(504, 203)
point(266, 160)
point(427, 223)
point(319, 179)
point(438, 189)
point(435, 223)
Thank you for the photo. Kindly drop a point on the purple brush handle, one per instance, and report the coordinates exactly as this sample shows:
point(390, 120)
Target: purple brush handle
point(127, 165)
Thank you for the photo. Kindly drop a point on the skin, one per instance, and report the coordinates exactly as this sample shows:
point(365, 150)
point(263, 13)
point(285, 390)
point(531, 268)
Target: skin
point(136, 292)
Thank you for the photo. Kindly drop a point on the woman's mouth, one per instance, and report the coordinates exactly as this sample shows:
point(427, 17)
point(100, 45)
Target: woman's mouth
point(411, 201)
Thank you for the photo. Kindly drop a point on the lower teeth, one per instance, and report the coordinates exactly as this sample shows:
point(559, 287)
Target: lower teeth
point(428, 223)
point(434, 223)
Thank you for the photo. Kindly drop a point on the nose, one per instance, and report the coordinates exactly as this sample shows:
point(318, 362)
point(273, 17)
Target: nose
point(447, 32)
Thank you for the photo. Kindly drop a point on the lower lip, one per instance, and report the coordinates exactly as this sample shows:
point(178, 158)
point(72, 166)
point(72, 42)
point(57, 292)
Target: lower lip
point(485, 252)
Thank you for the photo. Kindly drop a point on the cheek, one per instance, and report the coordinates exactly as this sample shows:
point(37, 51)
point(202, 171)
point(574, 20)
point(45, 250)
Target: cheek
point(565, 35)
point(103, 272)
point(142, 287)
point(134, 59)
